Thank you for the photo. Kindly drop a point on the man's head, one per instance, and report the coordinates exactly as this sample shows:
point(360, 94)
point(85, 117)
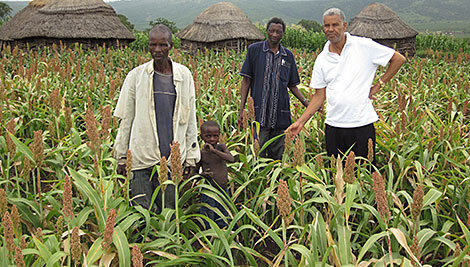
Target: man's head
point(275, 30)
point(210, 132)
point(160, 43)
point(334, 25)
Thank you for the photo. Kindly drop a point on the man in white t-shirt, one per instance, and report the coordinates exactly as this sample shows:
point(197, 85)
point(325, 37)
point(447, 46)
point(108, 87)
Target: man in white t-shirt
point(343, 75)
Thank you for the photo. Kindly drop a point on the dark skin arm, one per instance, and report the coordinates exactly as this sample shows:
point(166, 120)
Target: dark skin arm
point(244, 89)
point(224, 154)
point(296, 92)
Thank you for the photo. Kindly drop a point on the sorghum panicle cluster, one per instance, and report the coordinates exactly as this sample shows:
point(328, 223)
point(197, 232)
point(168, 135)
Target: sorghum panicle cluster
point(244, 120)
point(3, 201)
point(339, 182)
point(319, 161)
point(283, 200)
point(163, 175)
point(55, 101)
point(298, 153)
point(75, 246)
point(137, 257)
point(38, 148)
point(19, 259)
point(251, 109)
point(39, 233)
point(59, 227)
point(8, 232)
point(109, 229)
point(416, 251)
point(349, 176)
point(380, 197)
point(256, 147)
point(417, 204)
point(11, 147)
point(175, 162)
point(128, 163)
point(105, 122)
point(15, 217)
point(288, 142)
point(67, 198)
point(68, 118)
point(91, 131)
point(370, 150)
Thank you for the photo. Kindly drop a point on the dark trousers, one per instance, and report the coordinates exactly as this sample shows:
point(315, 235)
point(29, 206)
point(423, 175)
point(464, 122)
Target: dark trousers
point(214, 205)
point(142, 186)
point(339, 140)
point(276, 148)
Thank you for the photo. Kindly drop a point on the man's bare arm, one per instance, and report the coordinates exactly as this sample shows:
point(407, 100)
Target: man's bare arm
point(245, 87)
point(296, 92)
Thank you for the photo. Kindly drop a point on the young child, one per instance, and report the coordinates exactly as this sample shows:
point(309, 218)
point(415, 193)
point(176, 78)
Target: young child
point(214, 168)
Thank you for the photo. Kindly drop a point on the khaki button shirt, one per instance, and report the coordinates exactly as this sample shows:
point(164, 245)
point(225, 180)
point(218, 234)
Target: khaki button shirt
point(138, 127)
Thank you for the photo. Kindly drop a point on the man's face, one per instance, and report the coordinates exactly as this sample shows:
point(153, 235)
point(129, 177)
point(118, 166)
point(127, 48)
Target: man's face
point(159, 46)
point(275, 33)
point(334, 28)
point(211, 135)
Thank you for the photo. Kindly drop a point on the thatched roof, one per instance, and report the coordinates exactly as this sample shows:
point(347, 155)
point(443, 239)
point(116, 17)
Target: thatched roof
point(65, 19)
point(221, 21)
point(377, 21)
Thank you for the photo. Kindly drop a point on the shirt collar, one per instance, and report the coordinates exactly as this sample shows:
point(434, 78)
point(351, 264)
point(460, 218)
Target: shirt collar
point(176, 74)
point(282, 49)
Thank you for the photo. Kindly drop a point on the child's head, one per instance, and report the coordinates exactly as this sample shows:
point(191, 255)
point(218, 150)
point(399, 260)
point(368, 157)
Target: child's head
point(210, 132)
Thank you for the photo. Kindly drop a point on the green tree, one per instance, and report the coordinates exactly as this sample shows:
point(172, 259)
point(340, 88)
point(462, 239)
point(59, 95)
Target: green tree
point(5, 11)
point(310, 25)
point(166, 22)
point(126, 22)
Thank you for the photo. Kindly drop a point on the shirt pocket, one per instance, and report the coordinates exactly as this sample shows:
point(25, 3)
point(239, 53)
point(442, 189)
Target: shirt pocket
point(284, 74)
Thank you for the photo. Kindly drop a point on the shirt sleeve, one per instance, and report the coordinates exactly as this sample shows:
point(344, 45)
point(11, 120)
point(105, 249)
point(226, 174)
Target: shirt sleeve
point(318, 78)
point(247, 68)
point(125, 110)
point(380, 54)
point(193, 154)
point(294, 78)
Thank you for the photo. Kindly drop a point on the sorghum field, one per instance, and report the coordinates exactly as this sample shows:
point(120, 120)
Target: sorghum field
point(62, 203)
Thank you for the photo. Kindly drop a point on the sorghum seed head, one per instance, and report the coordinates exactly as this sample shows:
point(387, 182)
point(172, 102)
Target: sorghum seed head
point(23, 243)
point(175, 161)
point(128, 163)
point(3, 201)
point(137, 257)
point(417, 204)
point(15, 217)
point(370, 150)
point(8, 232)
point(75, 245)
point(38, 147)
point(105, 122)
point(19, 260)
point(288, 142)
point(59, 227)
point(39, 234)
point(256, 147)
point(380, 196)
point(91, 131)
point(67, 198)
point(11, 147)
point(349, 176)
point(163, 175)
point(283, 200)
point(319, 161)
point(298, 153)
point(251, 109)
point(109, 229)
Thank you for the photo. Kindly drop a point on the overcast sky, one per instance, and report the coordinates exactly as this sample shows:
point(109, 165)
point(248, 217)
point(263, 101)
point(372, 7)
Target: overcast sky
point(30, 0)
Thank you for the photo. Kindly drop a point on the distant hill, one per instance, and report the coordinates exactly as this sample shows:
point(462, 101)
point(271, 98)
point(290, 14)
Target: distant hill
point(432, 15)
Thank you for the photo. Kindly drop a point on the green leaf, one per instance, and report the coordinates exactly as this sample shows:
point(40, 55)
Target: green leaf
point(402, 241)
point(24, 149)
point(95, 252)
point(122, 246)
point(81, 182)
point(431, 196)
point(44, 252)
point(309, 172)
point(55, 259)
point(369, 243)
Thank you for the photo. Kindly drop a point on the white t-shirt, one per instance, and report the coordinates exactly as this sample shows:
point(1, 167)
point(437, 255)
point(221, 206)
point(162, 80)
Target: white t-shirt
point(348, 78)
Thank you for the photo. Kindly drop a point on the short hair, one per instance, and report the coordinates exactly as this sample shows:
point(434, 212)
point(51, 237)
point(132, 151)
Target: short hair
point(335, 11)
point(208, 124)
point(163, 29)
point(276, 20)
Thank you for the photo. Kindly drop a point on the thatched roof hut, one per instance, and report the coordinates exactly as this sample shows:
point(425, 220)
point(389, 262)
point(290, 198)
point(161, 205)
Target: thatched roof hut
point(221, 26)
point(48, 22)
point(379, 22)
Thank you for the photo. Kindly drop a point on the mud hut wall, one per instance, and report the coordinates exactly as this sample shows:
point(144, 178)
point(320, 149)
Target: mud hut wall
point(406, 46)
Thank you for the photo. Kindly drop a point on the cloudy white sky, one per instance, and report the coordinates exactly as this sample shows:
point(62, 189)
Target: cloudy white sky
point(30, 0)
